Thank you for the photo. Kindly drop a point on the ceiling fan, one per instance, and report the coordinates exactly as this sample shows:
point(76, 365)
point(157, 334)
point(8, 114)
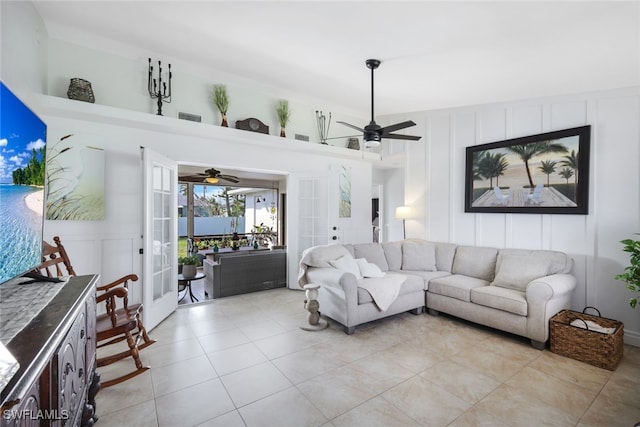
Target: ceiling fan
point(373, 132)
point(210, 176)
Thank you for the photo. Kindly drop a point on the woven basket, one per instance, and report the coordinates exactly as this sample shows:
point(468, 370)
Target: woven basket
point(598, 349)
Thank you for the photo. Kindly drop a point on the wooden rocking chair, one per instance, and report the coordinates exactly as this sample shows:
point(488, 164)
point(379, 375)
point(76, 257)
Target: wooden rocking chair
point(113, 326)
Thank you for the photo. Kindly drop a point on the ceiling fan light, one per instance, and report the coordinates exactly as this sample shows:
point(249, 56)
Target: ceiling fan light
point(371, 144)
point(212, 180)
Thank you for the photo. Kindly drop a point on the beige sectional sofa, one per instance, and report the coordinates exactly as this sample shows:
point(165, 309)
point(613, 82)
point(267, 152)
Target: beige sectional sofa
point(514, 290)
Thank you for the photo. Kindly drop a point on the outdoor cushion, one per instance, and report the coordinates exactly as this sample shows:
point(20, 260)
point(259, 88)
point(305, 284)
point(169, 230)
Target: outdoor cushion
point(372, 252)
point(418, 255)
point(500, 298)
point(478, 262)
point(516, 271)
point(456, 286)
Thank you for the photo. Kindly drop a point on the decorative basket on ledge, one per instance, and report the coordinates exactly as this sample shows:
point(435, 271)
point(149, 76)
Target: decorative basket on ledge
point(596, 348)
point(80, 90)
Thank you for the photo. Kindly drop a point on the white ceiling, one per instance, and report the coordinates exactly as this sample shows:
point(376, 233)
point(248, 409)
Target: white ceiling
point(435, 54)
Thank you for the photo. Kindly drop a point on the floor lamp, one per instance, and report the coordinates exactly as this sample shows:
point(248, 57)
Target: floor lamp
point(403, 212)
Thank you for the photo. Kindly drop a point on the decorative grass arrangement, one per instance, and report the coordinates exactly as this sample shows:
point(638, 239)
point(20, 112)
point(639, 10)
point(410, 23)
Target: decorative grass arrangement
point(63, 199)
point(220, 98)
point(284, 114)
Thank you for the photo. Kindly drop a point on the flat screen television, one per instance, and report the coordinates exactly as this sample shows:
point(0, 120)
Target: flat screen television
point(22, 164)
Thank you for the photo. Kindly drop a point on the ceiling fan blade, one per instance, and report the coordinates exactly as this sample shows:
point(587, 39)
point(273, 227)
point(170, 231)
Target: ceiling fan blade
point(351, 126)
point(229, 178)
point(392, 128)
point(398, 136)
point(190, 178)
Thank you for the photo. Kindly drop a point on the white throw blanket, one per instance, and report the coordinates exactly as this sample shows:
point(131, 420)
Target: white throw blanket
point(383, 290)
point(319, 256)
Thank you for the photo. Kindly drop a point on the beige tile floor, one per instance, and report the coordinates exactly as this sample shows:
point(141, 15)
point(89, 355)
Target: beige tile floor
point(244, 361)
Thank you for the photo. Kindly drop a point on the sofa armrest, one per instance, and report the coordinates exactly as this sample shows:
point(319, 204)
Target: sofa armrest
point(548, 287)
point(334, 278)
point(546, 296)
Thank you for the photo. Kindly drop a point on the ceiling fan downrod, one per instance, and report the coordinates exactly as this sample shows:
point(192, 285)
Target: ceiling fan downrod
point(372, 64)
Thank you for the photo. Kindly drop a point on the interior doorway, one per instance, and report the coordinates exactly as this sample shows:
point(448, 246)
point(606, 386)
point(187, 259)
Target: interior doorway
point(377, 214)
point(225, 209)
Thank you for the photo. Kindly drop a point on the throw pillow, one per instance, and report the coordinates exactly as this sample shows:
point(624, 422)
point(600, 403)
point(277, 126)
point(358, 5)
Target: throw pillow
point(418, 255)
point(346, 264)
point(475, 261)
point(516, 271)
point(369, 269)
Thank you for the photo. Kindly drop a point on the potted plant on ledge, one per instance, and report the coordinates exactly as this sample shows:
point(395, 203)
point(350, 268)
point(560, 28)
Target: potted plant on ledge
point(631, 273)
point(221, 100)
point(284, 114)
point(189, 265)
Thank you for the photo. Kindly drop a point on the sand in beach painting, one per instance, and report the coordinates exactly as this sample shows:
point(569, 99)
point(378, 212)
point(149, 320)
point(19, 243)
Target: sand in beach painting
point(75, 180)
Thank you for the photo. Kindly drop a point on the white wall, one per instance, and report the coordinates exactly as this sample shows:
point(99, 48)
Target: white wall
point(23, 48)
point(120, 80)
point(434, 186)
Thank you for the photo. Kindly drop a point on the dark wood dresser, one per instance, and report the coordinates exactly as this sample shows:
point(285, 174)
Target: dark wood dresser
point(57, 382)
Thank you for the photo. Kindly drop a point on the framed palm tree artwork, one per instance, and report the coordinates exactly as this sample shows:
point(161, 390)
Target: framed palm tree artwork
point(547, 173)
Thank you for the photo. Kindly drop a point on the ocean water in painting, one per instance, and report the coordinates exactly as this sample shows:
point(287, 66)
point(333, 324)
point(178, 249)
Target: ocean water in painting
point(21, 232)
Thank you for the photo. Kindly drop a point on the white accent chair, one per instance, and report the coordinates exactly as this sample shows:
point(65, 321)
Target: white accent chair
point(502, 199)
point(535, 198)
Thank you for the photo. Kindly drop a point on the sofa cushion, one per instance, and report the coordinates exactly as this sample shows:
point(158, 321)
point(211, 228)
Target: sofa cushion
point(501, 299)
point(558, 262)
point(456, 286)
point(346, 264)
point(369, 269)
point(445, 253)
point(516, 271)
point(349, 247)
point(418, 255)
point(473, 261)
point(426, 275)
point(393, 254)
point(372, 252)
point(410, 285)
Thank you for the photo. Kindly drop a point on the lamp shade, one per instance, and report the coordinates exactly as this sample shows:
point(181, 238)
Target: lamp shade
point(403, 212)
point(212, 180)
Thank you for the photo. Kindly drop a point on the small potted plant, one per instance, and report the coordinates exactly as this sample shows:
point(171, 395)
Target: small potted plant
point(190, 265)
point(631, 273)
point(284, 114)
point(220, 98)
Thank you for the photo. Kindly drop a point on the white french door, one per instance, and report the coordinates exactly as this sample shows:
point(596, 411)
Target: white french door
point(307, 218)
point(160, 241)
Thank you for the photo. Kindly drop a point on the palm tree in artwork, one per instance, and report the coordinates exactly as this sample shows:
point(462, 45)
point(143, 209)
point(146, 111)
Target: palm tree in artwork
point(571, 161)
point(533, 149)
point(547, 167)
point(488, 166)
point(566, 173)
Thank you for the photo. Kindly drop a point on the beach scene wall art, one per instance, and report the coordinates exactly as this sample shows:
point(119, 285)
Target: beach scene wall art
point(22, 165)
point(75, 179)
point(543, 173)
point(344, 183)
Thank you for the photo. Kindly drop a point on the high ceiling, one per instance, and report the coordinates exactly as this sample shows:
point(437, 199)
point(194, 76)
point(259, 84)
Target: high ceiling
point(435, 54)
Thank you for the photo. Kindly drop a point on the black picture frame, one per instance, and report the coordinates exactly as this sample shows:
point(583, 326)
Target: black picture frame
point(547, 173)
